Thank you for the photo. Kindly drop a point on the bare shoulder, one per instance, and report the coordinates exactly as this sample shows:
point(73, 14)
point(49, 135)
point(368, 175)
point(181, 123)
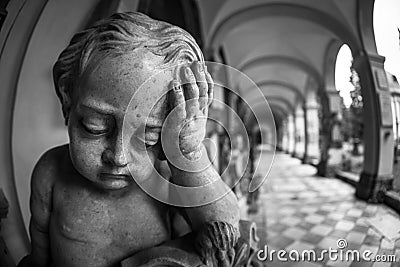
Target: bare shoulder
point(48, 167)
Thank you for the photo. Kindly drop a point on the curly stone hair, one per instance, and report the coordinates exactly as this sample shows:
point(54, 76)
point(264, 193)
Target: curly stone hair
point(119, 34)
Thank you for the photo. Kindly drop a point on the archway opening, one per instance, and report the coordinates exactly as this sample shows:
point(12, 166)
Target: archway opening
point(346, 155)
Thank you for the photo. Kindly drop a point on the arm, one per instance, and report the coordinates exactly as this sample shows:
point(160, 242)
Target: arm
point(216, 220)
point(223, 209)
point(217, 223)
point(40, 206)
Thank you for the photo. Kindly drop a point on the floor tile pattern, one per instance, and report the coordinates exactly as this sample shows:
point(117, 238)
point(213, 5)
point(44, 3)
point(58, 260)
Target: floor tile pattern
point(298, 210)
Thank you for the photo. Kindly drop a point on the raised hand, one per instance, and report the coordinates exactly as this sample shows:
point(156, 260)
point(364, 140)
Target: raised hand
point(184, 129)
point(182, 134)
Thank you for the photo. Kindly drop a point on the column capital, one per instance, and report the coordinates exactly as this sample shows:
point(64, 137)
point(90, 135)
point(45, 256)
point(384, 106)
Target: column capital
point(373, 58)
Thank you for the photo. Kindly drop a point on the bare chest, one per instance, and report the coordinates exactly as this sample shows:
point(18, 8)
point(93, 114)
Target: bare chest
point(128, 223)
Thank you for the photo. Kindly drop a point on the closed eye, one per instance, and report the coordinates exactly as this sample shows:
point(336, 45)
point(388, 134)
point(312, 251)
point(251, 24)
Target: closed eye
point(96, 129)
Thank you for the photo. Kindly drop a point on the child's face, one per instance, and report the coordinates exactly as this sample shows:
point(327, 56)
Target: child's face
point(99, 104)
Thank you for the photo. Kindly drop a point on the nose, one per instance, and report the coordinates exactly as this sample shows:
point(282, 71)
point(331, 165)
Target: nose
point(115, 155)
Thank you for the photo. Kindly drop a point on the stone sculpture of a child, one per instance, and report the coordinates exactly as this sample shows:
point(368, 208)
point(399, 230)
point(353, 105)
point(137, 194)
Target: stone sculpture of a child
point(86, 208)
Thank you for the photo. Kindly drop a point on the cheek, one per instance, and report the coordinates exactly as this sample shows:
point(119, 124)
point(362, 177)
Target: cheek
point(142, 163)
point(85, 154)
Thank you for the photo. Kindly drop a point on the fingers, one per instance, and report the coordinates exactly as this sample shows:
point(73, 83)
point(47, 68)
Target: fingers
point(222, 258)
point(200, 75)
point(210, 86)
point(177, 101)
point(231, 254)
point(191, 92)
point(197, 86)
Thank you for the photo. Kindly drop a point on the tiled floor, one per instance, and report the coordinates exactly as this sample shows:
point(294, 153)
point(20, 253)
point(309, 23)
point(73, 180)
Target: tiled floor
point(298, 210)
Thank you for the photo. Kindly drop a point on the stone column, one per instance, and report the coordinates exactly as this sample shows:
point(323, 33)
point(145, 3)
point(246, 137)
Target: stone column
point(312, 131)
point(285, 136)
point(306, 140)
point(325, 128)
point(291, 135)
point(300, 132)
point(376, 176)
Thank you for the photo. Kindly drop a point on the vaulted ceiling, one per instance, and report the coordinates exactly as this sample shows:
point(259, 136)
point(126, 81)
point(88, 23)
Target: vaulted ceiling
point(287, 47)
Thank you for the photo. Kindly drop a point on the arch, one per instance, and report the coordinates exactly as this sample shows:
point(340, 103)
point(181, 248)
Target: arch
point(252, 120)
point(273, 99)
point(278, 9)
point(283, 84)
point(281, 112)
point(331, 53)
point(254, 107)
point(280, 99)
point(278, 114)
point(365, 27)
point(274, 106)
point(268, 59)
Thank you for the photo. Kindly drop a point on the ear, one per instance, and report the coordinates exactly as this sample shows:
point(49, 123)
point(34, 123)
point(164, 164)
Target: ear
point(65, 99)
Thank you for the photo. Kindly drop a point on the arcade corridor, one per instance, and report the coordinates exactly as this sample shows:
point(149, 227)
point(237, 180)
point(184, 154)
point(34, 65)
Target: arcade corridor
point(301, 211)
point(274, 67)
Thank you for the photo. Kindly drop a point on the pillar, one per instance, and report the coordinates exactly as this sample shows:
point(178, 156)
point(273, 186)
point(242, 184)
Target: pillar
point(376, 176)
point(324, 132)
point(291, 134)
point(300, 132)
point(312, 129)
point(304, 158)
point(285, 136)
point(313, 153)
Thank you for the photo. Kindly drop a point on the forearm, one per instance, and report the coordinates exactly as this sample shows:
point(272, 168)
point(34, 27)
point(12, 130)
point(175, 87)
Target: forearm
point(223, 208)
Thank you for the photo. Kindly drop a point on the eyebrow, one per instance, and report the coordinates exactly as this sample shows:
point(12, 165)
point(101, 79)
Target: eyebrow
point(94, 106)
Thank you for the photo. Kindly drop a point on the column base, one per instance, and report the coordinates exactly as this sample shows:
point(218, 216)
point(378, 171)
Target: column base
point(313, 161)
point(322, 168)
point(372, 188)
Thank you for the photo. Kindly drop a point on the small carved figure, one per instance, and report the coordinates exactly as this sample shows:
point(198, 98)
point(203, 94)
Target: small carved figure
point(86, 208)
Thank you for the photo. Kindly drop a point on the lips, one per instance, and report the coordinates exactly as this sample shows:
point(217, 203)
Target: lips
point(114, 181)
point(114, 176)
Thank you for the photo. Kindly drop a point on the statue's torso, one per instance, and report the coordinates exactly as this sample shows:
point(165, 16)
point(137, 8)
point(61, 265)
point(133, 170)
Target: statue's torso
point(89, 227)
